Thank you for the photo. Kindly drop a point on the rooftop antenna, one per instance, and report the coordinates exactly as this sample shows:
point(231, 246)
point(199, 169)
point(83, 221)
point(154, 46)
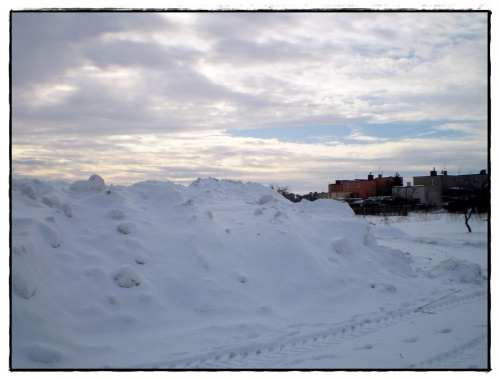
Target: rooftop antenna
point(444, 168)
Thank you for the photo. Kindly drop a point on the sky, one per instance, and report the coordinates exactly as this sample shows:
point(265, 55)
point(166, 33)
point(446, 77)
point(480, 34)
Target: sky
point(297, 99)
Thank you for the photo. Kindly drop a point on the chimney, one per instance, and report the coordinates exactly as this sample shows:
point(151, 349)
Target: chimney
point(433, 172)
point(445, 172)
point(380, 176)
point(483, 172)
point(370, 176)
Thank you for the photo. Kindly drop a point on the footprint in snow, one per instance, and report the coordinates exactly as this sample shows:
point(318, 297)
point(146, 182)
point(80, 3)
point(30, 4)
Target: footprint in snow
point(43, 353)
point(126, 277)
point(242, 278)
point(445, 330)
point(258, 211)
point(341, 246)
point(116, 214)
point(334, 260)
point(126, 228)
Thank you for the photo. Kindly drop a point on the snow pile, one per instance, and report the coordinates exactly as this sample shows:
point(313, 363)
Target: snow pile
point(94, 183)
point(177, 270)
point(459, 270)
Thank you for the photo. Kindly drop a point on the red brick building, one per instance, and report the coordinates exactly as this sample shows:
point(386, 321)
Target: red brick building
point(362, 188)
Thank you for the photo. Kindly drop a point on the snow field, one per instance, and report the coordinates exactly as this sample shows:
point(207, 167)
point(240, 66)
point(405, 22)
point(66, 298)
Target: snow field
point(153, 274)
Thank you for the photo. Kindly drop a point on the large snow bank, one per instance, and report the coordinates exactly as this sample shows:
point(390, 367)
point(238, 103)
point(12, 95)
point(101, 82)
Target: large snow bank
point(118, 276)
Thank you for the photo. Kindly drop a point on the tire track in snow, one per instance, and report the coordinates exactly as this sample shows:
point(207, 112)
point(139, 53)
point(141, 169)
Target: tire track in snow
point(291, 352)
point(458, 357)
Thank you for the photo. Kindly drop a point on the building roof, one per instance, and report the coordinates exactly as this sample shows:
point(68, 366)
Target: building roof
point(410, 186)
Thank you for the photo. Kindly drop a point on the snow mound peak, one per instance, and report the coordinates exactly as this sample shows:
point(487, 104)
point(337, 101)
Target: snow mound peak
point(95, 183)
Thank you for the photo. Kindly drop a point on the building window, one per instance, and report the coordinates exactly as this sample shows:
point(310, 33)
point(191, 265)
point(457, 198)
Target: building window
point(399, 191)
point(358, 185)
point(415, 189)
point(476, 179)
point(347, 185)
point(433, 181)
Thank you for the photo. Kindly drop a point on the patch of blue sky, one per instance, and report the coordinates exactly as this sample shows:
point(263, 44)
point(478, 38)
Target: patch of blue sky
point(300, 134)
point(397, 131)
point(348, 134)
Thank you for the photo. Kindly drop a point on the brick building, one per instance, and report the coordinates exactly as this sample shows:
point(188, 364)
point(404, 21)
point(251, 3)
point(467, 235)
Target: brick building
point(362, 188)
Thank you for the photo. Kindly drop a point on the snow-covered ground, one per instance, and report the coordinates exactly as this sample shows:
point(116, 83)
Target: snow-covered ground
point(231, 275)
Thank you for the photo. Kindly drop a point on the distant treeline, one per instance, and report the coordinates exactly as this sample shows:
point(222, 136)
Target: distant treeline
point(295, 198)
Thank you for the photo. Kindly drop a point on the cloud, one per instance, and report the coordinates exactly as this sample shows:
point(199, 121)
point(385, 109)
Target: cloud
point(183, 157)
point(143, 92)
point(46, 44)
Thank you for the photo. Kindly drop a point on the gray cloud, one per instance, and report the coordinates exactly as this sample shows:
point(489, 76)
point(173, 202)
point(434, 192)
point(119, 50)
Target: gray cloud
point(109, 54)
point(83, 83)
point(245, 52)
point(52, 48)
point(248, 25)
point(46, 44)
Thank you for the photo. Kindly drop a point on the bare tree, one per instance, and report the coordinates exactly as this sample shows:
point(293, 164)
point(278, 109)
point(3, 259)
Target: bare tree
point(468, 200)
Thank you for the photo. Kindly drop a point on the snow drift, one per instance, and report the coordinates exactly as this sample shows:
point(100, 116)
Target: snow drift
point(113, 276)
